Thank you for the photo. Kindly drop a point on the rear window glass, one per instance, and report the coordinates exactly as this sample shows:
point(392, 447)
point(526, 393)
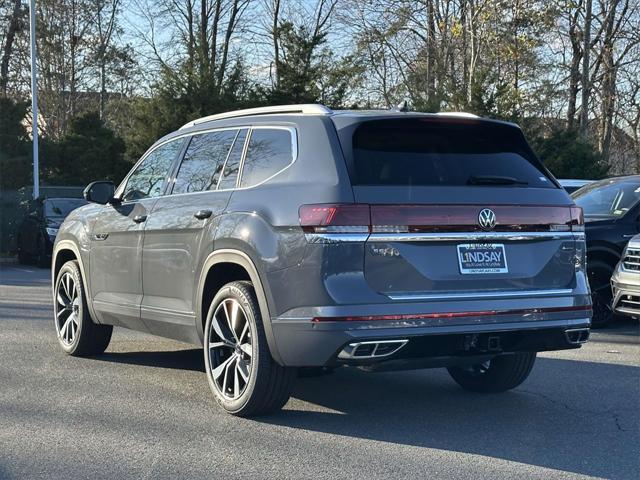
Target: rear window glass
point(419, 152)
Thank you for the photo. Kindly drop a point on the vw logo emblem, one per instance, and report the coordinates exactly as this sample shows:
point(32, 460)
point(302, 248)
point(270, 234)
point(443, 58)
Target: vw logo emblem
point(487, 219)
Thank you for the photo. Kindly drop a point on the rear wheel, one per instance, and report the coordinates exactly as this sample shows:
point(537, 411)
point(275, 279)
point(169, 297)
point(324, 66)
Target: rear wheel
point(243, 376)
point(499, 374)
point(42, 260)
point(77, 334)
point(23, 258)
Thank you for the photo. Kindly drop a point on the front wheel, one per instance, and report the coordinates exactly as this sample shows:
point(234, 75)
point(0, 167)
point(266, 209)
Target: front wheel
point(499, 374)
point(244, 378)
point(77, 334)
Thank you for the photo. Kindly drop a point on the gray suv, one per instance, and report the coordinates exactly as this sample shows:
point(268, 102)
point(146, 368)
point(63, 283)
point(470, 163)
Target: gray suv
point(298, 236)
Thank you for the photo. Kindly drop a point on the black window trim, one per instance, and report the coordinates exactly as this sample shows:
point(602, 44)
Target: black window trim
point(186, 139)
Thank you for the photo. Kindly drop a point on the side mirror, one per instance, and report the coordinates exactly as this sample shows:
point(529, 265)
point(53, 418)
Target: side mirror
point(99, 192)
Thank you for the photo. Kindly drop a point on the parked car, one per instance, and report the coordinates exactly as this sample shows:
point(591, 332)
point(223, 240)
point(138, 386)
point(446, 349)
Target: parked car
point(625, 282)
point(571, 185)
point(296, 236)
point(611, 212)
point(38, 230)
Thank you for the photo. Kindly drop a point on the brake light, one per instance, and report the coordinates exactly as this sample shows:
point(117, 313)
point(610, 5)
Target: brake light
point(577, 219)
point(335, 218)
point(364, 218)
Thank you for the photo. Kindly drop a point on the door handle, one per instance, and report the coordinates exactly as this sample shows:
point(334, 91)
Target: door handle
point(139, 218)
point(202, 214)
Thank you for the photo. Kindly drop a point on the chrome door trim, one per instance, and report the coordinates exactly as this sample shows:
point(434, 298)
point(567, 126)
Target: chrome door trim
point(473, 236)
point(483, 295)
point(336, 237)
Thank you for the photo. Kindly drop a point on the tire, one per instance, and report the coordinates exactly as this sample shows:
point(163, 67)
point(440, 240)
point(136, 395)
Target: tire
point(312, 372)
point(42, 260)
point(76, 332)
point(23, 258)
point(599, 274)
point(499, 374)
point(244, 378)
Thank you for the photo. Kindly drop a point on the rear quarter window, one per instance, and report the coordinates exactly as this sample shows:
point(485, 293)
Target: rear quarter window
point(269, 151)
point(404, 152)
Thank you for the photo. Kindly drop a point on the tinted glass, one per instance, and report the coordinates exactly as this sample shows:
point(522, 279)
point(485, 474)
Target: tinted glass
point(608, 199)
point(269, 151)
point(427, 152)
point(203, 161)
point(230, 173)
point(61, 207)
point(148, 179)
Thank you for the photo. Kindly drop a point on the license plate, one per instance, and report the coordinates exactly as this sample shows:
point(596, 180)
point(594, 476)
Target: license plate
point(474, 258)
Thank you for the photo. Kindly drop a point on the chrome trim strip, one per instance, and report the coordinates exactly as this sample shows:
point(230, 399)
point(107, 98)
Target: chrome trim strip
point(474, 295)
point(474, 236)
point(336, 237)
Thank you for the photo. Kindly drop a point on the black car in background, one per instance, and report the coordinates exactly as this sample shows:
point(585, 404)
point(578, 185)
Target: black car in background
point(571, 185)
point(612, 216)
point(39, 228)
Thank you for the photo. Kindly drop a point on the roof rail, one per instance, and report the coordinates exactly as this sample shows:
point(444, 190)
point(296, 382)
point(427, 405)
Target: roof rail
point(458, 114)
point(305, 109)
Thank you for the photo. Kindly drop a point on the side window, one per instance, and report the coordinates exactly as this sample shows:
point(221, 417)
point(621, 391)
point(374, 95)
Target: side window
point(230, 173)
point(202, 163)
point(148, 179)
point(269, 151)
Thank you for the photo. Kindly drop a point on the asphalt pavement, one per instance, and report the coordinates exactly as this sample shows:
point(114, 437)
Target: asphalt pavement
point(144, 410)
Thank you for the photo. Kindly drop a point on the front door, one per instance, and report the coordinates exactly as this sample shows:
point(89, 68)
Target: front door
point(179, 233)
point(116, 236)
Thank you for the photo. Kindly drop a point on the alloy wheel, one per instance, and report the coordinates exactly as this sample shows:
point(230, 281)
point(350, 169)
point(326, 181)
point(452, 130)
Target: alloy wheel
point(67, 308)
point(230, 348)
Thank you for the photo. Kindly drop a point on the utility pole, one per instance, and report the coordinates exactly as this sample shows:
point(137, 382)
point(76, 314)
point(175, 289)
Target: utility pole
point(34, 98)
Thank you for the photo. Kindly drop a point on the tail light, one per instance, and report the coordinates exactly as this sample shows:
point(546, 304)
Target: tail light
point(577, 219)
point(364, 218)
point(335, 218)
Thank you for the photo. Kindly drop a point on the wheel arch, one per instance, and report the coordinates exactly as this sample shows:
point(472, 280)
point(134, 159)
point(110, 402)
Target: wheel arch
point(63, 251)
point(238, 266)
point(605, 252)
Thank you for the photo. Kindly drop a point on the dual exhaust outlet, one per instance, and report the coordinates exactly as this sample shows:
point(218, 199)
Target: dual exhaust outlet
point(577, 336)
point(371, 349)
point(385, 348)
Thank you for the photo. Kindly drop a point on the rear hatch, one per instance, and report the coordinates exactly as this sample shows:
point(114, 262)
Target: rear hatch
point(458, 206)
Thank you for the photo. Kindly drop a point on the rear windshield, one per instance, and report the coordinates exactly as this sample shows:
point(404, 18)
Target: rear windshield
point(426, 152)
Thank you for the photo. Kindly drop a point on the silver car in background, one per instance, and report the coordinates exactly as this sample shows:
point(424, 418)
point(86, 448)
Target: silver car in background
point(625, 282)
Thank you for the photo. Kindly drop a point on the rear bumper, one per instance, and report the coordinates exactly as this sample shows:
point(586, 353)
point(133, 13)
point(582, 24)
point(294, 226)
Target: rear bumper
point(301, 341)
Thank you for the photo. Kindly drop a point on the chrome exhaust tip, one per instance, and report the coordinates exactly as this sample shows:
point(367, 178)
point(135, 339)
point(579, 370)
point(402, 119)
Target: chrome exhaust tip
point(371, 349)
point(577, 336)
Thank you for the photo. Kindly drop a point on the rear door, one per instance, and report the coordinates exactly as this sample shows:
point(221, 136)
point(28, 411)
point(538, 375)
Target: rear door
point(459, 206)
point(179, 227)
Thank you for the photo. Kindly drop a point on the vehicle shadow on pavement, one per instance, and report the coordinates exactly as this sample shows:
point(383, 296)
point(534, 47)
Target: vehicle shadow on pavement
point(553, 420)
point(560, 418)
point(190, 359)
